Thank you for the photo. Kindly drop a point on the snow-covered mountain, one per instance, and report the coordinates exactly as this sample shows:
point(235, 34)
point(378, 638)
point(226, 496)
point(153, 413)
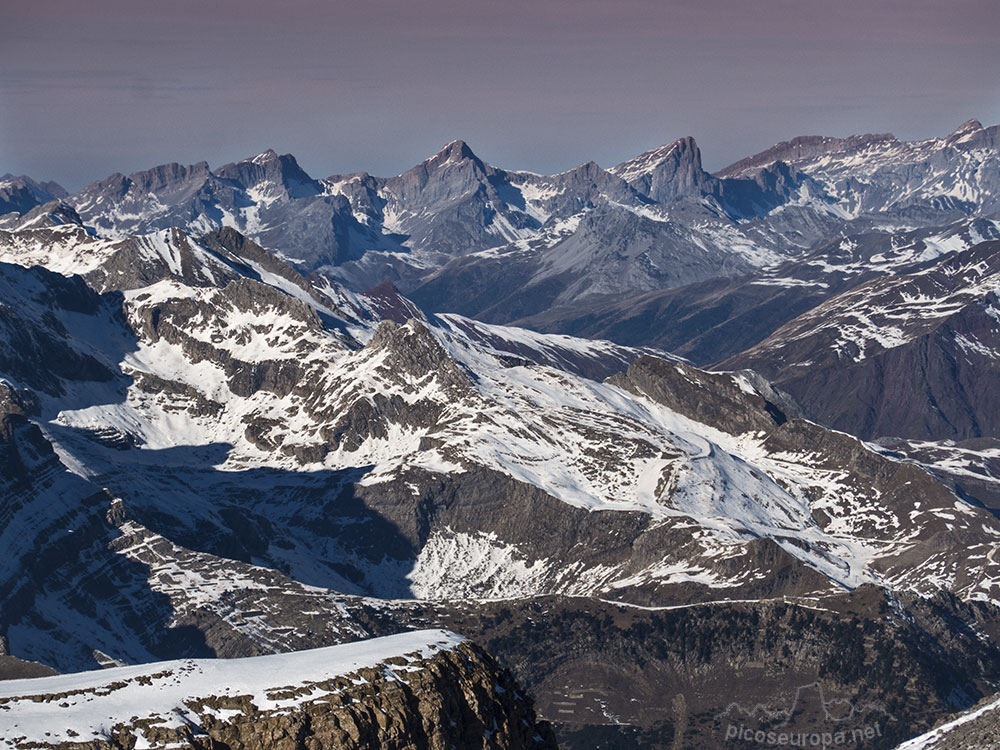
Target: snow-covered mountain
point(225, 430)
point(460, 235)
point(860, 359)
point(206, 452)
point(764, 210)
point(872, 174)
point(712, 320)
point(198, 352)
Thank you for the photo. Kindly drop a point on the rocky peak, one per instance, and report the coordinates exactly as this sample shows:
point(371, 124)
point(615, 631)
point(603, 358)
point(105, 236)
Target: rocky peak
point(969, 126)
point(454, 156)
point(457, 150)
point(21, 193)
point(54, 213)
point(49, 187)
point(412, 339)
point(972, 134)
point(441, 184)
point(114, 187)
point(269, 170)
point(167, 176)
point(387, 303)
point(665, 172)
point(267, 156)
point(584, 185)
point(587, 171)
point(166, 181)
point(682, 149)
point(414, 351)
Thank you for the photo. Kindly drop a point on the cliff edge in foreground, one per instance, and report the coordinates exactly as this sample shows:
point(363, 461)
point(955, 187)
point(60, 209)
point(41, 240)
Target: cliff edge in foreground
point(428, 689)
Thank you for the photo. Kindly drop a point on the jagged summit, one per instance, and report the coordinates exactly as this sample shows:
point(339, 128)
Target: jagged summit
point(657, 154)
point(168, 175)
point(672, 220)
point(682, 149)
point(276, 174)
point(228, 453)
point(665, 172)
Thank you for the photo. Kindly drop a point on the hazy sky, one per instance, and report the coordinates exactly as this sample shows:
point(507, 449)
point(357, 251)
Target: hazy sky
point(90, 88)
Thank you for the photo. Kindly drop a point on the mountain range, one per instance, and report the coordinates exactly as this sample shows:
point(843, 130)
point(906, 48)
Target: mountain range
point(741, 418)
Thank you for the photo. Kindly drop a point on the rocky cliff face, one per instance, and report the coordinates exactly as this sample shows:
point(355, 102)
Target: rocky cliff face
point(666, 172)
point(613, 676)
point(427, 689)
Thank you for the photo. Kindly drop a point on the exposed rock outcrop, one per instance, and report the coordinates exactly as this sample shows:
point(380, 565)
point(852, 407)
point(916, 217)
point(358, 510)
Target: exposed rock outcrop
point(427, 689)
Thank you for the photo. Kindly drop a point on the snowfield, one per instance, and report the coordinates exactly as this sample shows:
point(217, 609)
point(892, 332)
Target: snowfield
point(86, 706)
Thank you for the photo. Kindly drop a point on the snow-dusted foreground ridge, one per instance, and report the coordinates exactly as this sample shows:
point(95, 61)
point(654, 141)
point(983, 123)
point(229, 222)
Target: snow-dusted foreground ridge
point(328, 695)
point(978, 729)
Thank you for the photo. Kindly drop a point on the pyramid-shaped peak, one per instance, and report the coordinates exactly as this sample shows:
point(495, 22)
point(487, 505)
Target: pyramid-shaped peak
point(457, 150)
point(266, 156)
point(588, 171)
point(969, 126)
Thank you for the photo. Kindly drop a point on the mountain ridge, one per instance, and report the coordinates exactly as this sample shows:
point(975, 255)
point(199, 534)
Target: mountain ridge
point(240, 414)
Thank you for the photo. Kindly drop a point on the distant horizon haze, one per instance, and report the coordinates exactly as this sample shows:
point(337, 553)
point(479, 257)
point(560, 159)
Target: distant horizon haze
point(87, 90)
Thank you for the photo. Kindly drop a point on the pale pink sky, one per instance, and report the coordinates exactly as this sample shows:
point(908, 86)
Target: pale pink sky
point(89, 88)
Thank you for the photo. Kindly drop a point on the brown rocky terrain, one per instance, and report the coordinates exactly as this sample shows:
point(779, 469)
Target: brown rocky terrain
point(426, 690)
point(615, 676)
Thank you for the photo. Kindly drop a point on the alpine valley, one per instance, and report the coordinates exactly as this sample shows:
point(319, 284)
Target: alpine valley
point(629, 458)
